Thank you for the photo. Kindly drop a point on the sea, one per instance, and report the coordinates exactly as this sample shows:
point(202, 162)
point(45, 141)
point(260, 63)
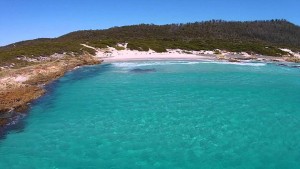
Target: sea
point(162, 115)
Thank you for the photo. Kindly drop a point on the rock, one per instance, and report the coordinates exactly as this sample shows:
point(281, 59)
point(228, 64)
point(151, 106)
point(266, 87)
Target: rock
point(18, 97)
point(15, 95)
point(233, 60)
point(138, 70)
point(6, 115)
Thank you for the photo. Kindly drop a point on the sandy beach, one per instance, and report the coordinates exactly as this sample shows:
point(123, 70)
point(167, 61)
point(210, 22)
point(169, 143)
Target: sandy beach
point(112, 55)
point(128, 55)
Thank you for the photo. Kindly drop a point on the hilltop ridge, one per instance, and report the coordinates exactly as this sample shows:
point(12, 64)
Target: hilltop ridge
point(253, 37)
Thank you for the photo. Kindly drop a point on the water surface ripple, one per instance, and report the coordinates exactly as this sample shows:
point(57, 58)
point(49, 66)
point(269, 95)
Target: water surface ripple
point(163, 114)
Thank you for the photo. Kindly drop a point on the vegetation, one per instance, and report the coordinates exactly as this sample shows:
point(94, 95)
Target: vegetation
point(260, 37)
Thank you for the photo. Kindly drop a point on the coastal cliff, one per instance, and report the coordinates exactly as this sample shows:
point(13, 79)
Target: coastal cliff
point(18, 87)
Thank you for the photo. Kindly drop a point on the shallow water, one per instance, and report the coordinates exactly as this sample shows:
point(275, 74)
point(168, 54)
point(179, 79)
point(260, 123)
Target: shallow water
point(180, 115)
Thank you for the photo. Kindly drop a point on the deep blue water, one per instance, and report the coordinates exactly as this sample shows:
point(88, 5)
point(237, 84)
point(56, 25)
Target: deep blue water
point(165, 115)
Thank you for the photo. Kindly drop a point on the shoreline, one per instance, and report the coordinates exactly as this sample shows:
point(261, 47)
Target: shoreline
point(112, 55)
point(19, 87)
point(142, 56)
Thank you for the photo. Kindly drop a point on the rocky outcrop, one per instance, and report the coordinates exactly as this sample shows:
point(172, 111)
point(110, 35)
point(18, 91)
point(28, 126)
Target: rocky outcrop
point(293, 59)
point(20, 87)
point(18, 96)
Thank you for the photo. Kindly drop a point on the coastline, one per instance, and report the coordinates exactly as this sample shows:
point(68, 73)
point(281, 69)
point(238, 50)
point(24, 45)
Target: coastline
point(21, 86)
point(112, 55)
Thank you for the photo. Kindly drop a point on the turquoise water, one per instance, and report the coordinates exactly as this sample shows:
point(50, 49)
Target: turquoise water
point(164, 115)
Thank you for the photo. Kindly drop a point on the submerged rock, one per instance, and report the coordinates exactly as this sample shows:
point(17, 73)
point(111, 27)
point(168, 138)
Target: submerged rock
point(138, 70)
point(288, 65)
point(6, 115)
point(295, 66)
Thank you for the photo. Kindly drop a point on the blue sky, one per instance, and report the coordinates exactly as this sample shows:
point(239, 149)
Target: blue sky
point(29, 19)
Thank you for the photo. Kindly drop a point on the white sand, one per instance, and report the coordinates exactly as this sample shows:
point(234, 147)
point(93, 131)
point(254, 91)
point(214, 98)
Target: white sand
point(88, 46)
point(112, 55)
point(291, 52)
point(20, 78)
point(128, 55)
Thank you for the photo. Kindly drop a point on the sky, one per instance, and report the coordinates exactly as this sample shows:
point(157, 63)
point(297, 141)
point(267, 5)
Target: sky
point(30, 19)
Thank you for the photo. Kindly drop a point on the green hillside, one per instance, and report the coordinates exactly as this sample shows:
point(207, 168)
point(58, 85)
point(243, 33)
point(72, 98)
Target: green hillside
point(260, 37)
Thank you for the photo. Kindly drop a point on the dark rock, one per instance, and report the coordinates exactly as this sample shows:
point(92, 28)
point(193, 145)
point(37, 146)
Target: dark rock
point(138, 70)
point(291, 66)
point(6, 115)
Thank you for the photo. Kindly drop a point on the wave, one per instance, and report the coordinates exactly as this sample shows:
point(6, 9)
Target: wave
point(158, 63)
point(239, 63)
point(151, 63)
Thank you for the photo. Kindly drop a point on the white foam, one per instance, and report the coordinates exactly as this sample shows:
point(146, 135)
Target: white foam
point(151, 63)
point(240, 63)
point(148, 63)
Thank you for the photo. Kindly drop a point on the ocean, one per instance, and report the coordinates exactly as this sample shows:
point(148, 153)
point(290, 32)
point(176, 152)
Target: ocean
point(162, 115)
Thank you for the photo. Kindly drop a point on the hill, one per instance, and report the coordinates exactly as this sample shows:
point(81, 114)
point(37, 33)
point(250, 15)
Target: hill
point(259, 37)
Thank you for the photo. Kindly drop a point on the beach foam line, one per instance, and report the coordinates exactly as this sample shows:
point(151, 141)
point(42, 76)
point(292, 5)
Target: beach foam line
point(239, 63)
point(150, 63)
point(155, 63)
